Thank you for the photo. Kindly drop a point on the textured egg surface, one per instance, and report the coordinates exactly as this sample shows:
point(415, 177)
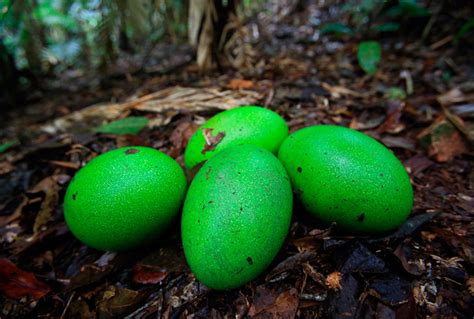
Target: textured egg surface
point(236, 216)
point(124, 198)
point(344, 176)
point(244, 125)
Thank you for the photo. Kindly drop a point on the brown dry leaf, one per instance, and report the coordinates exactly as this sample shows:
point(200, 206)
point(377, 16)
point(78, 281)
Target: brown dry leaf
point(197, 99)
point(417, 164)
point(84, 119)
point(118, 301)
point(6, 167)
point(211, 141)
point(411, 264)
point(453, 96)
point(274, 304)
point(392, 123)
point(16, 283)
point(442, 140)
point(398, 141)
point(333, 280)
point(315, 275)
point(4, 220)
point(71, 165)
point(201, 21)
point(337, 91)
point(182, 133)
point(51, 190)
point(168, 100)
point(291, 262)
point(238, 84)
point(308, 243)
point(148, 275)
point(470, 285)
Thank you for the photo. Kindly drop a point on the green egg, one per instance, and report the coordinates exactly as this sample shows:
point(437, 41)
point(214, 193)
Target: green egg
point(344, 176)
point(124, 198)
point(244, 125)
point(236, 216)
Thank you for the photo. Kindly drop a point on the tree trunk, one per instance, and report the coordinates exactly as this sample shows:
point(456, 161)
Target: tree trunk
point(207, 19)
point(9, 79)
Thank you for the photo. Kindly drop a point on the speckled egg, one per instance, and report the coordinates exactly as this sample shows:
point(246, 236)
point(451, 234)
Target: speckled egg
point(236, 216)
point(244, 125)
point(124, 198)
point(344, 176)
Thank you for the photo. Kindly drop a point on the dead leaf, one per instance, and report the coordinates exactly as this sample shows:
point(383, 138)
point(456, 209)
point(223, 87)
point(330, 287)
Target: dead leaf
point(366, 124)
point(6, 167)
point(337, 91)
point(470, 285)
point(197, 99)
point(211, 141)
point(117, 301)
point(168, 100)
point(182, 133)
point(417, 164)
point(51, 190)
point(148, 275)
point(316, 276)
point(91, 273)
point(398, 142)
point(333, 280)
point(390, 289)
point(291, 262)
point(16, 283)
point(4, 220)
point(237, 84)
point(74, 166)
point(274, 304)
point(413, 266)
point(344, 302)
point(392, 122)
point(407, 228)
point(453, 96)
point(442, 140)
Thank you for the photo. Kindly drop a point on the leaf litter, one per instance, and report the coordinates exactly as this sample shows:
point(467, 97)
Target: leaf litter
point(423, 269)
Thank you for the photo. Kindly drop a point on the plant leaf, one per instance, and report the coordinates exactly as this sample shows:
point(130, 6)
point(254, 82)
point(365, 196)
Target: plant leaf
point(396, 93)
point(338, 28)
point(387, 27)
point(411, 8)
point(369, 54)
point(469, 25)
point(130, 125)
point(5, 146)
point(393, 12)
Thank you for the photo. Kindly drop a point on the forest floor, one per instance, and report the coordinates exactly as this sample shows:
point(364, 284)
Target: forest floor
point(426, 268)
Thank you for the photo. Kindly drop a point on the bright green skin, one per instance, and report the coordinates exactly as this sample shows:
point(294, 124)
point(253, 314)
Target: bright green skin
point(344, 176)
point(244, 125)
point(124, 198)
point(236, 216)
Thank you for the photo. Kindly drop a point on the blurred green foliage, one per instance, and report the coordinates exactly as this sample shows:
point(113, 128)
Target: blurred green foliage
point(373, 17)
point(369, 54)
point(129, 125)
point(376, 15)
point(47, 35)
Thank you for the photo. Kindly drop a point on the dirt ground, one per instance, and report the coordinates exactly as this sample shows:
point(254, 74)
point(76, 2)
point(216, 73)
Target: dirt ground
point(424, 269)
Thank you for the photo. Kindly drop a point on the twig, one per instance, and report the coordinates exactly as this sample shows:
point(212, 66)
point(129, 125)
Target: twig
point(429, 25)
point(438, 44)
point(67, 305)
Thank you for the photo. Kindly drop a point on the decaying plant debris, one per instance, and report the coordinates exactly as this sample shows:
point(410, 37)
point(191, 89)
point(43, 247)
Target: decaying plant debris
point(423, 269)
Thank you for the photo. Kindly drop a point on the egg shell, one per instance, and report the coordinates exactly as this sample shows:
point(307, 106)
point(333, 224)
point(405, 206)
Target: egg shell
point(124, 198)
point(236, 216)
point(344, 176)
point(244, 125)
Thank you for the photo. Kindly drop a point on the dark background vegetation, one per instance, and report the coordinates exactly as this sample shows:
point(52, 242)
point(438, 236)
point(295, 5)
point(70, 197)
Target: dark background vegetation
point(79, 78)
